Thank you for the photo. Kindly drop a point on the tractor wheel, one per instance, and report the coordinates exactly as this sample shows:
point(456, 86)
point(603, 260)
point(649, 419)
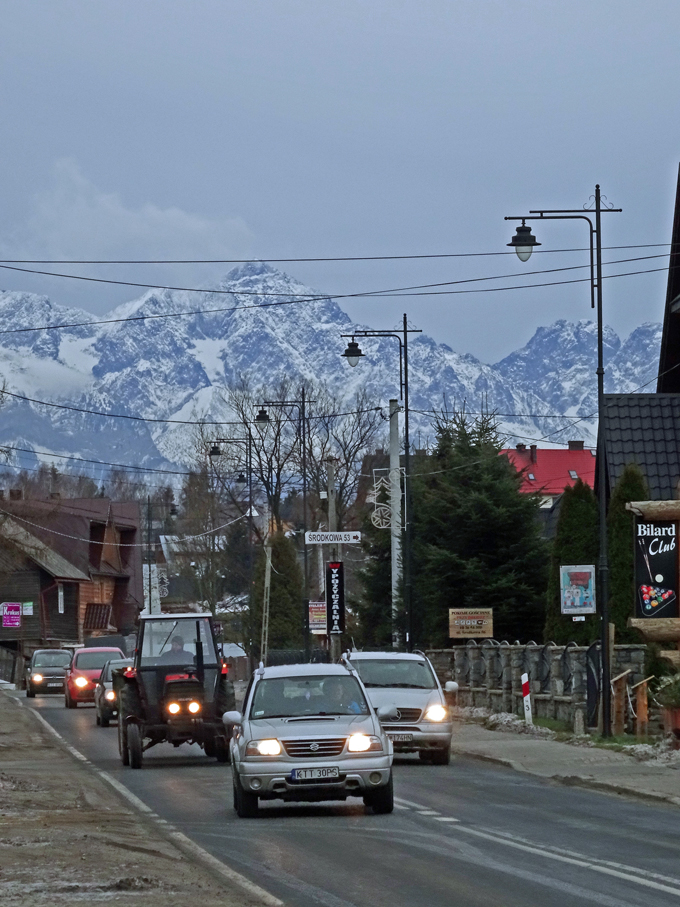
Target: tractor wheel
point(225, 700)
point(209, 746)
point(134, 740)
point(221, 748)
point(123, 740)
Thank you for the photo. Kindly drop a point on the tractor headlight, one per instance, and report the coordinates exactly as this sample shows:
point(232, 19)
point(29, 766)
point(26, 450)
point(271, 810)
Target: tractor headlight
point(81, 682)
point(173, 707)
point(37, 678)
point(436, 713)
point(194, 707)
point(263, 748)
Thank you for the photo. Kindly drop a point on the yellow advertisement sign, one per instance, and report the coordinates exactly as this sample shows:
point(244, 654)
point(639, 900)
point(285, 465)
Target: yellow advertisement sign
point(470, 623)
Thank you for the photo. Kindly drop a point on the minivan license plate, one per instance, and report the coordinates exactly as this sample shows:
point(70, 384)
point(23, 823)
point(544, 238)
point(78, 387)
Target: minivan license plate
point(401, 738)
point(315, 774)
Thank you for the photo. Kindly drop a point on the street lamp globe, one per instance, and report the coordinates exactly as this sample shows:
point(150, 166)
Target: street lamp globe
point(241, 482)
point(262, 417)
point(353, 353)
point(215, 451)
point(523, 242)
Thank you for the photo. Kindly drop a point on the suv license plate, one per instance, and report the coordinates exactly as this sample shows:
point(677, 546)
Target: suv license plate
point(315, 774)
point(401, 738)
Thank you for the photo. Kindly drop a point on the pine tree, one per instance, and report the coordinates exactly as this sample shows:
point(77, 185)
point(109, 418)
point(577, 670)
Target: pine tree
point(620, 522)
point(477, 540)
point(575, 543)
point(285, 598)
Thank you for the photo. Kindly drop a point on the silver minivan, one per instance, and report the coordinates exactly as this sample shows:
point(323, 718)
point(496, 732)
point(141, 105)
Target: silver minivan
point(408, 680)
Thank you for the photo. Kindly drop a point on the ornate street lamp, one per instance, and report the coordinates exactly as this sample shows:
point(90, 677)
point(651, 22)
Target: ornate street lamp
point(523, 241)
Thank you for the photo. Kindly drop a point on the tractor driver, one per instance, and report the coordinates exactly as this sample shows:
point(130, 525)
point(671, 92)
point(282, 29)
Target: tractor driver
point(177, 654)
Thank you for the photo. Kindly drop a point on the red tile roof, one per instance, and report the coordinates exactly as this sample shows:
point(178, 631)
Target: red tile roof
point(551, 470)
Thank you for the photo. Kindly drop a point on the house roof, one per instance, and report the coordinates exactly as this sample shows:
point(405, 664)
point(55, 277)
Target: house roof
point(644, 429)
point(30, 545)
point(550, 470)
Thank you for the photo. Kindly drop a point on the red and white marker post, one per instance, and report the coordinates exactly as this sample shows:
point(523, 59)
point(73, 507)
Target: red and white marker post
point(526, 698)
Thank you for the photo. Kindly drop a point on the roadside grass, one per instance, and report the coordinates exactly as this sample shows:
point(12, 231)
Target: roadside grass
point(554, 724)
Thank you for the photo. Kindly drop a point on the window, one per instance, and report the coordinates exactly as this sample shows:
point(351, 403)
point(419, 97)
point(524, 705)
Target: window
point(573, 474)
point(297, 697)
point(402, 672)
point(532, 477)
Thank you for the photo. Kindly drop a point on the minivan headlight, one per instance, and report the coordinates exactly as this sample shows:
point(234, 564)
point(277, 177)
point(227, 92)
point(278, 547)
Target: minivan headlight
point(436, 713)
point(263, 748)
point(362, 743)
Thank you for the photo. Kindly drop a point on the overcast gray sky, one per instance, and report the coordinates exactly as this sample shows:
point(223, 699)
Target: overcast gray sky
point(295, 128)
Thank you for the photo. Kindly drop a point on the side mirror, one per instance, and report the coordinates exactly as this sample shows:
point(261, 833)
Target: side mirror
point(230, 718)
point(450, 686)
point(387, 713)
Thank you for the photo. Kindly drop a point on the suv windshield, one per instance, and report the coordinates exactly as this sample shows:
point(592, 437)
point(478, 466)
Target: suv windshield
point(88, 661)
point(400, 672)
point(51, 659)
point(174, 642)
point(295, 697)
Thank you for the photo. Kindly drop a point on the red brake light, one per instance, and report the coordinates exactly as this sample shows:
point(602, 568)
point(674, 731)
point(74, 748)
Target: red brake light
point(225, 667)
point(129, 672)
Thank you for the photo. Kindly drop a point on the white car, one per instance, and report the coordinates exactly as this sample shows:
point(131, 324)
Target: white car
point(309, 733)
point(408, 680)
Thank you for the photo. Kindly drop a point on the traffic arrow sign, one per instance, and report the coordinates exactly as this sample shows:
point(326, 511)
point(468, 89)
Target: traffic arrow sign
point(333, 538)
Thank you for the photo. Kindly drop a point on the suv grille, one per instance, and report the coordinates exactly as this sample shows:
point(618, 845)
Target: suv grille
point(329, 746)
point(409, 715)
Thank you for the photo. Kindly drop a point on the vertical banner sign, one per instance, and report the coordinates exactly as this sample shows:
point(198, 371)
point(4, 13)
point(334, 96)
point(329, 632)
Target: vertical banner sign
point(656, 568)
point(335, 597)
point(526, 699)
point(577, 589)
point(11, 614)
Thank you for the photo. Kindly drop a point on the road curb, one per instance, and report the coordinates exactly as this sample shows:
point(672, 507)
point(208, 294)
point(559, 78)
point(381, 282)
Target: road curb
point(585, 781)
point(217, 869)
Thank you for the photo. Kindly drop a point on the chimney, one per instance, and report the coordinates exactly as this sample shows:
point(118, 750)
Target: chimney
point(576, 445)
point(533, 452)
point(521, 447)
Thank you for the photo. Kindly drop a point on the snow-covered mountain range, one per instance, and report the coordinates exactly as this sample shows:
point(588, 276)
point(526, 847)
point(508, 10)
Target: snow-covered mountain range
point(174, 368)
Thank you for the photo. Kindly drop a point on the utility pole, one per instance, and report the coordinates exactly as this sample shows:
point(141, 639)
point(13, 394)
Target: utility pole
point(264, 640)
point(395, 515)
point(335, 640)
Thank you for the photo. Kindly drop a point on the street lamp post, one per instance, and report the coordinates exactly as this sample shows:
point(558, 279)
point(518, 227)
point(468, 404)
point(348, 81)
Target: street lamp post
point(523, 242)
point(353, 354)
point(262, 416)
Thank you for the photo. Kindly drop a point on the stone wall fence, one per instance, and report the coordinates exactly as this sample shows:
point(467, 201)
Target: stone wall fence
point(489, 674)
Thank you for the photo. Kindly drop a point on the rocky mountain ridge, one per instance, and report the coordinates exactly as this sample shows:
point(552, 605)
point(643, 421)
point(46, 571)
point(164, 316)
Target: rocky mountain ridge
point(252, 326)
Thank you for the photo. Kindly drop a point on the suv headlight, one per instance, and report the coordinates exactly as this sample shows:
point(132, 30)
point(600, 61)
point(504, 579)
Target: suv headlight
point(37, 678)
point(436, 713)
point(362, 743)
point(263, 748)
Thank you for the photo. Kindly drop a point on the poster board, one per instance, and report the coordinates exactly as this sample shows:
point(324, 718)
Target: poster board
point(470, 623)
point(577, 589)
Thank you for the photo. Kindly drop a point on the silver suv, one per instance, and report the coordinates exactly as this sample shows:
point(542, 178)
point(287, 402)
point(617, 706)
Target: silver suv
point(408, 680)
point(309, 733)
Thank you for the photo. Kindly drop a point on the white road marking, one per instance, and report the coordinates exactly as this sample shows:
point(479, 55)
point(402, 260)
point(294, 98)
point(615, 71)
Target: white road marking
point(410, 803)
point(583, 862)
point(399, 806)
point(445, 819)
point(180, 840)
point(428, 812)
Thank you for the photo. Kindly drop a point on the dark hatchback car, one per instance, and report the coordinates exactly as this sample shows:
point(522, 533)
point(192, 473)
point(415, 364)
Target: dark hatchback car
point(46, 670)
point(104, 694)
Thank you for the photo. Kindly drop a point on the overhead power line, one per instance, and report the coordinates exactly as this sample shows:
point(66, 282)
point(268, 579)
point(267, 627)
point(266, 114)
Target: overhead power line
point(396, 293)
point(247, 261)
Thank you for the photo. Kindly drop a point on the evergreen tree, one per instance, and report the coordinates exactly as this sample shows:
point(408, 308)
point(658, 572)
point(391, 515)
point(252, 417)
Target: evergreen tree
point(285, 598)
point(576, 542)
point(477, 541)
point(620, 522)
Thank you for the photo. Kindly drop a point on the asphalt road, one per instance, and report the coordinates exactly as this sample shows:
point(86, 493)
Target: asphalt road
point(467, 834)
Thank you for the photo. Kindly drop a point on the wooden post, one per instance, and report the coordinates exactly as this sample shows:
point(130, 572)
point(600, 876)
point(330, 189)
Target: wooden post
point(619, 685)
point(641, 707)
